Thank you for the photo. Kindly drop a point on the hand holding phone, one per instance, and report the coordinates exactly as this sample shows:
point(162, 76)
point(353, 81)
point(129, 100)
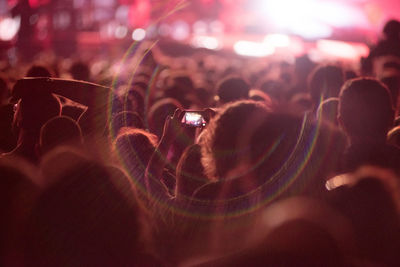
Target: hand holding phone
point(194, 119)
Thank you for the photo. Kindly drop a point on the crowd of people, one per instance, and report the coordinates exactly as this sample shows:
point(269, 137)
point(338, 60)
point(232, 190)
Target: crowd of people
point(201, 160)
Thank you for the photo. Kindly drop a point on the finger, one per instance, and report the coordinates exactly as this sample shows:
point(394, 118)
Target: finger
point(176, 113)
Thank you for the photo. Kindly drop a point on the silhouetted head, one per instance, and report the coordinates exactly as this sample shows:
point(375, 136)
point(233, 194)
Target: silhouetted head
point(59, 130)
point(35, 110)
point(225, 141)
point(134, 148)
point(365, 109)
point(87, 214)
point(392, 30)
point(232, 89)
point(80, 71)
point(126, 119)
point(325, 82)
point(38, 71)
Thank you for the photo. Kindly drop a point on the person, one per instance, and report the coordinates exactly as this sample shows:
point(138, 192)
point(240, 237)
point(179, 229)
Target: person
point(324, 82)
point(87, 214)
point(314, 235)
point(133, 148)
point(125, 119)
point(80, 71)
point(20, 186)
point(386, 52)
point(57, 131)
point(26, 35)
point(232, 89)
point(369, 200)
point(93, 96)
point(189, 172)
point(366, 114)
point(243, 150)
point(38, 71)
point(33, 110)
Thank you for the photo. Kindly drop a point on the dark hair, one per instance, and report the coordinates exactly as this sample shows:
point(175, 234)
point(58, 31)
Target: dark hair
point(189, 172)
point(59, 131)
point(134, 148)
point(325, 82)
point(219, 142)
point(125, 119)
point(80, 71)
point(87, 215)
point(392, 29)
point(36, 110)
point(38, 71)
point(232, 89)
point(365, 108)
point(19, 189)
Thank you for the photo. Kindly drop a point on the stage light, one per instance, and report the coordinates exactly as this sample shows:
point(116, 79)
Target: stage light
point(253, 49)
point(138, 34)
point(9, 28)
point(343, 50)
point(207, 42)
point(340, 14)
point(121, 32)
point(311, 19)
point(311, 29)
point(277, 40)
point(180, 30)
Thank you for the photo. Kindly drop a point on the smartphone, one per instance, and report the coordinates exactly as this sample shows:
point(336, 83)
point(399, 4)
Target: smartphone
point(194, 119)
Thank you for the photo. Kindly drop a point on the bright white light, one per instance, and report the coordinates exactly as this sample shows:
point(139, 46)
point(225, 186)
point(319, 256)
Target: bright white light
point(207, 42)
point(253, 49)
point(121, 32)
point(9, 28)
point(277, 40)
point(180, 30)
point(339, 14)
point(138, 34)
point(286, 13)
point(311, 29)
point(311, 19)
point(342, 49)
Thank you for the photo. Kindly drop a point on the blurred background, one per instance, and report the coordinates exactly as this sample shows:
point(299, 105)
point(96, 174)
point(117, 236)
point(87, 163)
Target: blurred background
point(322, 29)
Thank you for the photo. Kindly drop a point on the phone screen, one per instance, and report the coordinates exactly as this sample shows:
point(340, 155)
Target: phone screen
point(194, 119)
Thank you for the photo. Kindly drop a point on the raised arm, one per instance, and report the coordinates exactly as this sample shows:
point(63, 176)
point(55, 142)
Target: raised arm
point(94, 96)
point(155, 167)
